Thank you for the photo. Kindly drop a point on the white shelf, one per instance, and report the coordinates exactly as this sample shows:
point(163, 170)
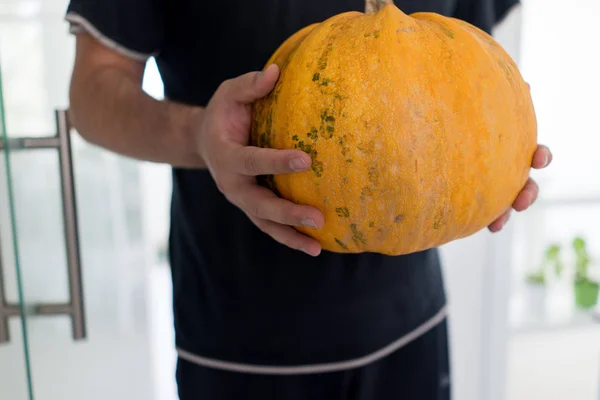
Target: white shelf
point(537, 324)
point(562, 202)
point(558, 313)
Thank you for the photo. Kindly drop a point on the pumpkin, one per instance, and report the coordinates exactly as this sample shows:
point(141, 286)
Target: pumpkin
point(420, 128)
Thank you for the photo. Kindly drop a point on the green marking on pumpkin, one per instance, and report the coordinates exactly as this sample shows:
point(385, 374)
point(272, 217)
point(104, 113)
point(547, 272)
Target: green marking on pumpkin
point(262, 138)
point(357, 235)
point(506, 68)
point(254, 135)
point(373, 174)
point(369, 149)
point(313, 134)
point(446, 31)
point(316, 76)
point(375, 34)
point(275, 93)
point(366, 192)
point(326, 134)
point(371, 224)
point(268, 181)
point(317, 167)
point(398, 218)
point(341, 244)
point(307, 148)
point(342, 212)
point(325, 81)
point(438, 221)
point(268, 128)
point(327, 124)
point(295, 137)
point(345, 149)
point(323, 59)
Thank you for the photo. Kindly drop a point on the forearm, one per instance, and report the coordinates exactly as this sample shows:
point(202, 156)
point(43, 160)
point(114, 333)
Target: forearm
point(109, 108)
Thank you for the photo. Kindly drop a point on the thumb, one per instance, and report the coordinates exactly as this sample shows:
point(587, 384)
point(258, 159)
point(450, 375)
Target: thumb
point(252, 86)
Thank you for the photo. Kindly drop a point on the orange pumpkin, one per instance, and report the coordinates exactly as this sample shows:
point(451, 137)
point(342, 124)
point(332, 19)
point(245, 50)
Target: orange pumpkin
point(420, 128)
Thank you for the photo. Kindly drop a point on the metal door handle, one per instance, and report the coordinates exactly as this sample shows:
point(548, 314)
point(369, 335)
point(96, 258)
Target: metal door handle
point(75, 306)
point(6, 309)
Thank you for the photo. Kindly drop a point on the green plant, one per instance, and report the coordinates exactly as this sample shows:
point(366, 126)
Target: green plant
point(586, 290)
point(582, 259)
point(537, 277)
point(552, 259)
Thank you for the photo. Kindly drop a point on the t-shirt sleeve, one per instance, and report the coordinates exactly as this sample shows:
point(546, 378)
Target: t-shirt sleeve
point(501, 9)
point(134, 28)
point(484, 14)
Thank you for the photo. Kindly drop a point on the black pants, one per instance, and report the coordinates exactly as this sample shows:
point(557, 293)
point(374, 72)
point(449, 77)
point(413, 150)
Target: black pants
point(418, 371)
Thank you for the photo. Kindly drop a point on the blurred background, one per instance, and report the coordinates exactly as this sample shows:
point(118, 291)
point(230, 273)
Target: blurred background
point(91, 318)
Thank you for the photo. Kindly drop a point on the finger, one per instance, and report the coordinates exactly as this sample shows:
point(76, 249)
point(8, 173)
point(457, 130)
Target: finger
point(261, 203)
point(253, 161)
point(288, 236)
point(251, 86)
point(527, 196)
point(542, 157)
point(499, 223)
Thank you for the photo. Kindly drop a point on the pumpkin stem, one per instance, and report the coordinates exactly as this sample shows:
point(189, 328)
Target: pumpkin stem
point(372, 6)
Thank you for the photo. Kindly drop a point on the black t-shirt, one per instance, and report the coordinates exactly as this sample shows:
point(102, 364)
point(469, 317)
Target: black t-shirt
point(240, 296)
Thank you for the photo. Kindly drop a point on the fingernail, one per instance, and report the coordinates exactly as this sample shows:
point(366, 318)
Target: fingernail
point(309, 253)
point(546, 160)
point(298, 164)
point(308, 222)
point(261, 73)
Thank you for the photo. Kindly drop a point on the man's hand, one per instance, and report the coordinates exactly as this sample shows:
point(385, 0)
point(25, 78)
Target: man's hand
point(527, 196)
point(223, 145)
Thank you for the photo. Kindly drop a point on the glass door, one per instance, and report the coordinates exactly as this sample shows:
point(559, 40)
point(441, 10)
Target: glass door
point(93, 298)
point(15, 376)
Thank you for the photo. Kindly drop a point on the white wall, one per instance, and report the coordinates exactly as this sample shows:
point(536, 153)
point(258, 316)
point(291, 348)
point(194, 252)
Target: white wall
point(463, 269)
